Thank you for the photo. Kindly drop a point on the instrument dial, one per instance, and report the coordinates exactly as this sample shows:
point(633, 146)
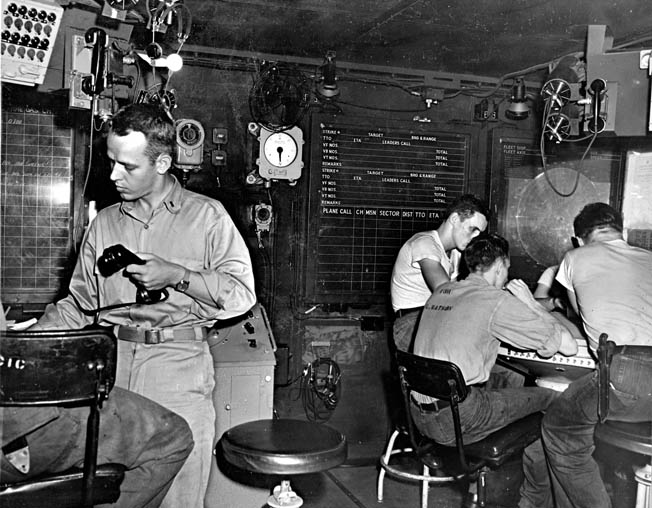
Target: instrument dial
point(280, 149)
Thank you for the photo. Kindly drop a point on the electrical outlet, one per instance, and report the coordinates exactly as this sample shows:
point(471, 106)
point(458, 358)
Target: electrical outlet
point(220, 136)
point(218, 157)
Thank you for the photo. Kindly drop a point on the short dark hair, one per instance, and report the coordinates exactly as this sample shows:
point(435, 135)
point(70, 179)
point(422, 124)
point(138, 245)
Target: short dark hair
point(597, 216)
point(153, 121)
point(466, 205)
point(484, 250)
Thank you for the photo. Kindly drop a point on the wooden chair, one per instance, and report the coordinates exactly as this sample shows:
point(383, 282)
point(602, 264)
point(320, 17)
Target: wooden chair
point(61, 368)
point(444, 381)
point(633, 437)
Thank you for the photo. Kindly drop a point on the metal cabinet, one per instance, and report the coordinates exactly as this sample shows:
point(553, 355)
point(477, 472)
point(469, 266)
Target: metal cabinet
point(244, 363)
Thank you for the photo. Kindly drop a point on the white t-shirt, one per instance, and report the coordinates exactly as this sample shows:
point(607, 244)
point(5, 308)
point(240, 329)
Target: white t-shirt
point(612, 282)
point(408, 287)
point(548, 276)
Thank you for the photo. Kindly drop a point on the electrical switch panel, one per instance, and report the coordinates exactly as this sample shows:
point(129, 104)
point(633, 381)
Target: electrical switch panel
point(29, 29)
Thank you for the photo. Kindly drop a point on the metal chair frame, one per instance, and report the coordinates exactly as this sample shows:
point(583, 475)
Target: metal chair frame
point(444, 381)
point(58, 368)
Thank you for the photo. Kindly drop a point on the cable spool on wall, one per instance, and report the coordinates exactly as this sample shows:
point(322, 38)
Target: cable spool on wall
point(279, 98)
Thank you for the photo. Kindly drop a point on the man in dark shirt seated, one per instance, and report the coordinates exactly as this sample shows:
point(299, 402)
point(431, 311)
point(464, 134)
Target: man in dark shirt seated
point(464, 323)
point(149, 440)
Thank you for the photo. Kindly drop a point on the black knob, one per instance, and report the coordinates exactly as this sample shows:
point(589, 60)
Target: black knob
point(24, 40)
point(6, 35)
point(42, 15)
point(45, 44)
point(34, 42)
point(12, 8)
point(32, 12)
point(52, 17)
point(15, 37)
point(22, 10)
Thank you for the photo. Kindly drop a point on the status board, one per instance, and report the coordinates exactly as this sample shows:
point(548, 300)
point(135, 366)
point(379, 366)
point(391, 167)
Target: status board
point(35, 204)
point(372, 185)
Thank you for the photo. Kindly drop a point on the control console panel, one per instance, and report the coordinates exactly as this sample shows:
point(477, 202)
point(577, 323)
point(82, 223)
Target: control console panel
point(29, 29)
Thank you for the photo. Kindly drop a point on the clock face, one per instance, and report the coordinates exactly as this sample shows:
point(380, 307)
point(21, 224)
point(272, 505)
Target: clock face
point(122, 5)
point(280, 149)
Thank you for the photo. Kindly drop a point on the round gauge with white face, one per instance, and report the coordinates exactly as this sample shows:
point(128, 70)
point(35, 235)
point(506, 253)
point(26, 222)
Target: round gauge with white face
point(280, 149)
point(280, 154)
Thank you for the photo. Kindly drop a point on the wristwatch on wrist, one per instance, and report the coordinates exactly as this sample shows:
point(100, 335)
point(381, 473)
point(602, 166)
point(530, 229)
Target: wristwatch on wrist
point(183, 284)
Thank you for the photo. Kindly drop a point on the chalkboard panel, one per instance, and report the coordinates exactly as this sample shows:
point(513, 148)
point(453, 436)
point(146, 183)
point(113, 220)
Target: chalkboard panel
point(373, 184)
point(36, 198)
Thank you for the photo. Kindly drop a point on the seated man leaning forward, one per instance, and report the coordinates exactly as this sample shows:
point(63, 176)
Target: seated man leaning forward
point(609, 286)
point(463, 323)
point(428, 259)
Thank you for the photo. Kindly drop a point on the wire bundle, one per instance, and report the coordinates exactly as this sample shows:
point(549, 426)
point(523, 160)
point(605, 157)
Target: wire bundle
point(321, 389)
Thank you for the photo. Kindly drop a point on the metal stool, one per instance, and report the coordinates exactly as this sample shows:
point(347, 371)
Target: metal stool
point(634, 437)
point(283, 447)
point(637, 438)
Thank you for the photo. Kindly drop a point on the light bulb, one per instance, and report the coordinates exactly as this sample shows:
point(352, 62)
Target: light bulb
point(174, 62)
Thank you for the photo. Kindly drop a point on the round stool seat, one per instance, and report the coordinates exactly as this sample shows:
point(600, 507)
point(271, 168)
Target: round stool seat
point(635, 437)
point(284, 447)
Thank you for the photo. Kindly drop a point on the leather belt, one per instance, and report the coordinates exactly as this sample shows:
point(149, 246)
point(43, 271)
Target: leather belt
point(405, 312)
point(160, 335)
point(435, 406)
point(232, 321)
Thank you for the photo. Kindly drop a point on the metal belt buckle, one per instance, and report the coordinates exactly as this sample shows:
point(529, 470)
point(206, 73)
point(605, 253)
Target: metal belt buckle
point(154, 336)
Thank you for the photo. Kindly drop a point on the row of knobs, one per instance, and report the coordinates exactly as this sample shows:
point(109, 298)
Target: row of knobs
point(32, 13)
point(39, 27)
point(28, 25)
point(25, 40)
point(22, 52)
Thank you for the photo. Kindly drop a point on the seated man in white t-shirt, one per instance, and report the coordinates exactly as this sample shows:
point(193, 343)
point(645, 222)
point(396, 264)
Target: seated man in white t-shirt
point(430, 258)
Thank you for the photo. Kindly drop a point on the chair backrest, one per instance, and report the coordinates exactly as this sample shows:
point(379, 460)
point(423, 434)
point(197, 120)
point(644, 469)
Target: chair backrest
point(58, 367)
point(434, 378)
point(55, 367)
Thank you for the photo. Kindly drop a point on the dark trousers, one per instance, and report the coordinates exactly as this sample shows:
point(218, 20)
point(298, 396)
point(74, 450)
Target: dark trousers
point(151, 441)
point(569, 424)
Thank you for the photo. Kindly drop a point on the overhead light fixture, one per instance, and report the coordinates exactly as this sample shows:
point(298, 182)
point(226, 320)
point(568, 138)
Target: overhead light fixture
point(153, 55)
point(327, 87)
point(174, 62)
point(518, 108)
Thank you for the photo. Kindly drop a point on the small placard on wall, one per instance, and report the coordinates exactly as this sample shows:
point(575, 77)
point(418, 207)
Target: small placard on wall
point(637, 206)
